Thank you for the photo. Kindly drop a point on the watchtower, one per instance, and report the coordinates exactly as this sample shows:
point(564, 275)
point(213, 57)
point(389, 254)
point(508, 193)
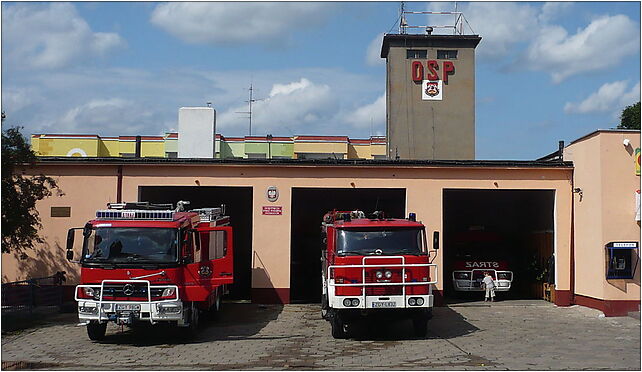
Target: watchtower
point(430, 91)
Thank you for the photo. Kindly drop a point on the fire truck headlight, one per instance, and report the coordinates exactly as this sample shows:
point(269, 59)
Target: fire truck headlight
point(91, 292)
point(355, 302)
point(347, 302)
point(388, 274)
point(412, 301)
point(420, 301)
point(379, 275)
point(168, 292)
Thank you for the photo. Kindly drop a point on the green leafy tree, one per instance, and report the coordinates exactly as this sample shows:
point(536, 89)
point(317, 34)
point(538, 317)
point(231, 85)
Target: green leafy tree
point(20, 192)
point(630, 118)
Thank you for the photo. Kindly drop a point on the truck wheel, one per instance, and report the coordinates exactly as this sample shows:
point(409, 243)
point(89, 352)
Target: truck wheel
point(339, 327)
point(420, 326)
point(324, 307)
point(192, 329)
point(96, 331)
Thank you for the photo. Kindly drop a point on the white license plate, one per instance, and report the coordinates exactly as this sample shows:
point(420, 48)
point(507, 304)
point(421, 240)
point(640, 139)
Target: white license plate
point(127, 307)
point(384, 304)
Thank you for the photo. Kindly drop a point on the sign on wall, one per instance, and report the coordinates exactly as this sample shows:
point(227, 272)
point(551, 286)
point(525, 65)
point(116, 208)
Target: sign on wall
point(272, 210)
point(431, 90)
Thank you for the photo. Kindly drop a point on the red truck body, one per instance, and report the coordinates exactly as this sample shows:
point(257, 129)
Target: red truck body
point(146, 263)
point(374, 266)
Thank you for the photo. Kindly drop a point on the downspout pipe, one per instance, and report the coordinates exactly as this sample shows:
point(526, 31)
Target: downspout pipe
point(119, 185)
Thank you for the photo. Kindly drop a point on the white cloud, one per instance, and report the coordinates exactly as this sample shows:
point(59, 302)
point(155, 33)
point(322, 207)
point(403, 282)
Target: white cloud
point(116, 113)
point(51, 37)
point(610, 97)
point(501, 25)
point(553, 10)
point(302, 104)
point(372, 114)
point(373, 54)
point(600, 45)
point(230, 23)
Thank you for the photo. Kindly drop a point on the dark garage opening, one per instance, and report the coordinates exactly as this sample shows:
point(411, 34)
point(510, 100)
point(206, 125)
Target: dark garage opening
point(514, 226)
point(308, 207)
point(238, 205)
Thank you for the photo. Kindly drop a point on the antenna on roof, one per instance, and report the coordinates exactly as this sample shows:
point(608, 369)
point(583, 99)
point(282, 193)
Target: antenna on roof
point(249, 112)
point(457, 27)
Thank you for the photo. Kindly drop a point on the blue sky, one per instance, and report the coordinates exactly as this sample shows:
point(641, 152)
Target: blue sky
point(545, 71)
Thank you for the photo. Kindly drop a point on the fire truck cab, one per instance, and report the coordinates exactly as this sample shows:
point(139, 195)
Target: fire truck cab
point(142, 262)
point(376, 266)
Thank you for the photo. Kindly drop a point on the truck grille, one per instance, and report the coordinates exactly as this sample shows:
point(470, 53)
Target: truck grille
point(392, 290)
point(129, 292)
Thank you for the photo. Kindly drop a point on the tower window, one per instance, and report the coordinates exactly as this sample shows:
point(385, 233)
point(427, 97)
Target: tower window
point(446, 54)
point(416, 54)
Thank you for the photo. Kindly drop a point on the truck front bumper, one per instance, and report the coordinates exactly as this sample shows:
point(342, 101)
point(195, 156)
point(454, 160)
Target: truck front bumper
point(127, 312)
point(465, 285)
point(382, 302)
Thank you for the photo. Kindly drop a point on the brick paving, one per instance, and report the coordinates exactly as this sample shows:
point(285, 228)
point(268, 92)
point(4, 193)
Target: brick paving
point(515, 335)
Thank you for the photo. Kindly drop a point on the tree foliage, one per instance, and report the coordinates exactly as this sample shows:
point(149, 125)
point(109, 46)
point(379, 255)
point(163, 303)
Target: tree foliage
point(20, 192)
point(630, 118)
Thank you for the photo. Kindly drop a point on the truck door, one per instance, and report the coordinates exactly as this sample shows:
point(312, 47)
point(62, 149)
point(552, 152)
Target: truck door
point(216, 261)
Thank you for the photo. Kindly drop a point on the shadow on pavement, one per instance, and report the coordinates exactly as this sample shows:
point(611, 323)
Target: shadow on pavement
point(236, 321)
point(445, 324)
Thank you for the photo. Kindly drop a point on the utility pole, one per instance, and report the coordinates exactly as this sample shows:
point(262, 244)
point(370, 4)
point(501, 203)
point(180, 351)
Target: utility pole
point(249, 102)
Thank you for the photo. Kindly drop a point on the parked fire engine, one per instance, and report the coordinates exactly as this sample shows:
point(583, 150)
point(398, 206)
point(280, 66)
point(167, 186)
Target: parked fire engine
point(142, 262)
point(478, 253)
point(375, 266)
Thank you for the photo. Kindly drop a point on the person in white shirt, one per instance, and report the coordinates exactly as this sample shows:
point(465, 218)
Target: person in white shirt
point(489, 284)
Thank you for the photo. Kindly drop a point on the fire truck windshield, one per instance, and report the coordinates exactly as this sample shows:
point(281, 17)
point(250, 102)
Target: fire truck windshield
point(131, 245)
point(375, 241)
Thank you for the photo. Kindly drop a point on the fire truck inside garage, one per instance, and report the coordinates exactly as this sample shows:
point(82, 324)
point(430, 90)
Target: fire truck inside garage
point(239, 203)
point(506, 232)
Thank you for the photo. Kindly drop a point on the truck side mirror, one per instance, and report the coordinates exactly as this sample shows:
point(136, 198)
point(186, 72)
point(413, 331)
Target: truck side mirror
point(435, 240)
point(70, 241)
point(70, 255)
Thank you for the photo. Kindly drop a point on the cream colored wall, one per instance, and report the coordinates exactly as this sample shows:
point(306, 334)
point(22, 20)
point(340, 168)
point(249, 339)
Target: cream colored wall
point(605, 172)
point(85, 189)
point(271, 234)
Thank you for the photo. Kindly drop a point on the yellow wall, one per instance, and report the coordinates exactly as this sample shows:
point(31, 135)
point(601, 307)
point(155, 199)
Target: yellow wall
point(359, 151)
point(605, 172)
point(320, 147)
point(89, 187)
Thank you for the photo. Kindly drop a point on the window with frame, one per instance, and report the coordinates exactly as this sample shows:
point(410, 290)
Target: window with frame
point(416, 54)
point(446, 54)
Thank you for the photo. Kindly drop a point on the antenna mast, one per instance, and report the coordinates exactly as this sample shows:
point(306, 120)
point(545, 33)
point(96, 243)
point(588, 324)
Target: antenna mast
point(457, 27)
point(249, 102)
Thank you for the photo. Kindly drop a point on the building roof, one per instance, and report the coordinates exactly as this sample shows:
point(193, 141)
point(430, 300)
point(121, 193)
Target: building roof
point(311, 162)
point(586, 136)
point(427, 41)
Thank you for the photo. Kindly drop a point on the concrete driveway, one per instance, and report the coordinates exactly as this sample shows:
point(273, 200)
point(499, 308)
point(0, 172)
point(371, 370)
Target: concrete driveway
point(516, 335)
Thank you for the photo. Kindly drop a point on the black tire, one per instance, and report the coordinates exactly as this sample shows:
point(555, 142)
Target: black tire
point(325, 307)
point(338, 326)
point(96, 331)
point(191, 330)
point(420, 325)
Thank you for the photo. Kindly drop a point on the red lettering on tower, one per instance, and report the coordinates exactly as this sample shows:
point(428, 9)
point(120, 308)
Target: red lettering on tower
point(449, 68)
point(432, 67)
point(417, 71)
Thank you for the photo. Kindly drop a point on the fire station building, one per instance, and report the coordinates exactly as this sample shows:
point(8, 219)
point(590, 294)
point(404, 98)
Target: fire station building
point(570, 212)
point(568, 223)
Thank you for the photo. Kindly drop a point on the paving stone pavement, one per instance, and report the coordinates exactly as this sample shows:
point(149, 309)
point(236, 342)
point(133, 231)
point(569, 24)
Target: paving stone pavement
point(514, 335)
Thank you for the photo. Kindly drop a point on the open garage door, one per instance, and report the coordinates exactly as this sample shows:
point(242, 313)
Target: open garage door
point(501, 230)
point(238, 202)
point(308, 207)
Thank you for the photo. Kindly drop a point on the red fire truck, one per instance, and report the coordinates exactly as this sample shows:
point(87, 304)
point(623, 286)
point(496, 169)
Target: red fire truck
point(479, 251)
point(142, 262)
point(376, 266)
